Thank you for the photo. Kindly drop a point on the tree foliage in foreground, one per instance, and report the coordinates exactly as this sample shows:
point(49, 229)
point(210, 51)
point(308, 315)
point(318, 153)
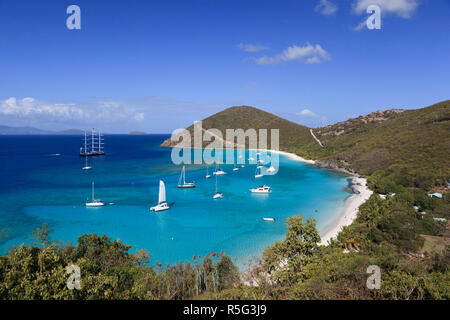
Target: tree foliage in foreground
point(410, 246)
point(108, 271)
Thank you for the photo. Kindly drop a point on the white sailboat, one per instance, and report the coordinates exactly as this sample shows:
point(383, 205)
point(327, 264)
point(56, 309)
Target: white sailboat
point(235, 168)
point(162, 204)
point(219, 172)
point(261, 189)
point(217, 195)
point(87, 167)
point(207, 174)
point(240, 157)
point(94, 202)
point(182, 181)
point(258, 172)
point(271, 169)
point(269, 219)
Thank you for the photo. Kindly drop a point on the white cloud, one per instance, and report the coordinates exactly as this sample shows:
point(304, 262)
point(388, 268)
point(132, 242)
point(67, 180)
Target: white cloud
point(106, 110)
point(252, 47)
point(307, 113)
point(401, 8)
point(326, 7)
point(309, 54)
point(360, 26)
point(150, 114)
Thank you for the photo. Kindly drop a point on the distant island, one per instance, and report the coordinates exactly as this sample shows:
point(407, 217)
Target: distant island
point(7, 130)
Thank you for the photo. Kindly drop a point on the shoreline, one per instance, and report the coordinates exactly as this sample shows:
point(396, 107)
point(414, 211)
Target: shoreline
point(349, 212)
point(292, 156)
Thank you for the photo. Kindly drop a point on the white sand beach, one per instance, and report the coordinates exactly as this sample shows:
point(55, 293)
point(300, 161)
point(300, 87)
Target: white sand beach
point(350, 210)
point(292, 156)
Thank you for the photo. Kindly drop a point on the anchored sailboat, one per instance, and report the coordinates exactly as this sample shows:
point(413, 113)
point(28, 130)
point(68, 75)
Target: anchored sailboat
point(93, 146)
point(87, 167)
point(162, 204)
point(217, 195)
point(207, 174)
point(271, 169)
point(94, 202)
point(219, 172)
point(183, 179)
point(258, 172)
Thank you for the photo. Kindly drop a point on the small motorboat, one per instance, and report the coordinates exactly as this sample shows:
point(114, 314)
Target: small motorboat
point(261, 189)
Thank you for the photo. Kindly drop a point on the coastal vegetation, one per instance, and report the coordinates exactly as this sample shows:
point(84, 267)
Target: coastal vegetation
point(411, 248)
point(401, 228)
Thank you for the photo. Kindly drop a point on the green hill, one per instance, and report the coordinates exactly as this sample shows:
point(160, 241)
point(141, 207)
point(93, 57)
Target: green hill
point(411, 144)
point(293, 136)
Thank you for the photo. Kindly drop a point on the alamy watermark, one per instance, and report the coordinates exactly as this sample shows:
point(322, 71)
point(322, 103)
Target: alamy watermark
point(74, 280)
point(374, 20)
point(74, 20)
point(230, 149)
point(374, 280)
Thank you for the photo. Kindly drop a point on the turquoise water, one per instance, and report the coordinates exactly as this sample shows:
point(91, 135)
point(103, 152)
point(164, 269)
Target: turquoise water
point(37, 186)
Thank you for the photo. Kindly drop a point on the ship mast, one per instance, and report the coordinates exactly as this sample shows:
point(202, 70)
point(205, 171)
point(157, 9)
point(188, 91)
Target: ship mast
point(93, 141)
point(85, 142)
point(99, 142)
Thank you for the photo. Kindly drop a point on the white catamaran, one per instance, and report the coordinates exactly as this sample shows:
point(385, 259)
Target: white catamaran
point(94, 202)
point(182, 181)
point(162, 204)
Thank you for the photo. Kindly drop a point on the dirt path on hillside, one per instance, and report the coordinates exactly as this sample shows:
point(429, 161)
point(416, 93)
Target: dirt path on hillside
point(315, 138)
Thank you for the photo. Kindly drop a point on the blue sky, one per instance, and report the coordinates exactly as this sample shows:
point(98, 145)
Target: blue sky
point(159, 65)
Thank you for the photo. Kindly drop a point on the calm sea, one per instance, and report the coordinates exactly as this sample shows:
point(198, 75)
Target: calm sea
point(42, 182)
